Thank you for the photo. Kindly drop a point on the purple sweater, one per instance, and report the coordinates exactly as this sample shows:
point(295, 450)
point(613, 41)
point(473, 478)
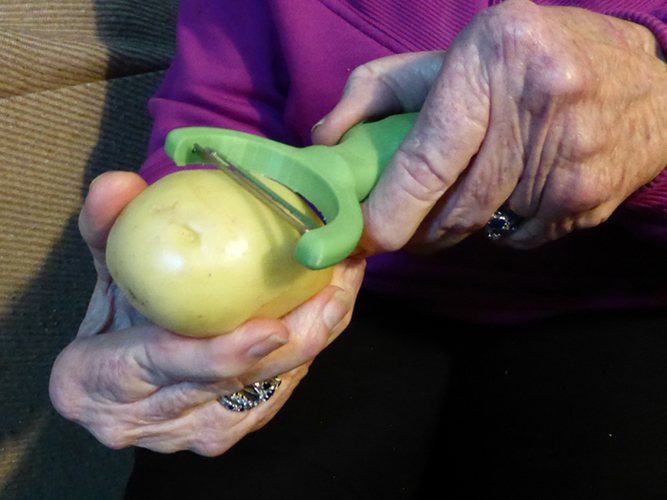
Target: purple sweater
point(275, 67)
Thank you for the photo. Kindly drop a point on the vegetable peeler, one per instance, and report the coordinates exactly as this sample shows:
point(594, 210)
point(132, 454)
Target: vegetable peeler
point(334, 179)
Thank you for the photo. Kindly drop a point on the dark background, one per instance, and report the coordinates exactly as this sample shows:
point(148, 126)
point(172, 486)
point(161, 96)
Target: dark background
point(402, 402)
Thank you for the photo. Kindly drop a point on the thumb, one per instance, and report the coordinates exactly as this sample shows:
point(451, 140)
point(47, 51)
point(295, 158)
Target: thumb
point(390, 85)
point(108, 195)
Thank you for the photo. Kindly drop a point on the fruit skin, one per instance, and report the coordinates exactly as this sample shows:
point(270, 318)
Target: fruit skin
point(198, 255)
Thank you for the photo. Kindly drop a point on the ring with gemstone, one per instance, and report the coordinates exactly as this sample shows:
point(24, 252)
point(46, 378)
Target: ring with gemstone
point(502, 223)
point(250, 396)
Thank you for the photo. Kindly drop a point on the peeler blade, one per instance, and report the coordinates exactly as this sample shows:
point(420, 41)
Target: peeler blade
point(299, 220)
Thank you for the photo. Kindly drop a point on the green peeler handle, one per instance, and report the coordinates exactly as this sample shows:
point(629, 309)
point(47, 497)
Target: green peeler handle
point(333, 178)
point(368, 147)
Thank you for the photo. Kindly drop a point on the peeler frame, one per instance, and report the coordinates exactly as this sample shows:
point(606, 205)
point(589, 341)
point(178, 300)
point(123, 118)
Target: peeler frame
point(335, 179)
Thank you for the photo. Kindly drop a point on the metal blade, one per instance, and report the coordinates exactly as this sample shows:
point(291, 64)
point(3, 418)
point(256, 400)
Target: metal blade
point(300, 221)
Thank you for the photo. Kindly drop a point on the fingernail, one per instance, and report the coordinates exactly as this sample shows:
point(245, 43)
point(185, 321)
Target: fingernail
point(267, 346)
point(337, 308)
point(318, 124)
point(94, 181)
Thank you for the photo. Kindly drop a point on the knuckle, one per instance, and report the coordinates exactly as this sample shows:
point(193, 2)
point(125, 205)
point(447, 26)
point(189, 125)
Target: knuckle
point(60, 400)
point(208, 449)
point(377, 236)
point(362, 77)
point(380, 241)
point(593, 218)
point(362, 73)
point(312, 344)
point(372, 79)
point(512, 24)
point(560, 228)
point(579, 143)
point(579, 197)
point(112, 437)
point(423, 178)
point(65, 405)
point(585, 223)
point(506, 13)
point(209, 444)
point(63, 393)
point(461, 224)
point(518, 30)
point(556, 77)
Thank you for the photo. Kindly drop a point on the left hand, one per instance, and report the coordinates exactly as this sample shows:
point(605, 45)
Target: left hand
point(556, 110)
point(132, 383)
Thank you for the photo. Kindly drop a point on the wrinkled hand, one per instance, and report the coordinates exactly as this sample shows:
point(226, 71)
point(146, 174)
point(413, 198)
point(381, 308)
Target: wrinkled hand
point(130, 382)
point(557, 110)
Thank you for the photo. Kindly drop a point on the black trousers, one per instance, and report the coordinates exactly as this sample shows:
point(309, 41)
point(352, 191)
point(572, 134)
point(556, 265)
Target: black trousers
point(571, 408)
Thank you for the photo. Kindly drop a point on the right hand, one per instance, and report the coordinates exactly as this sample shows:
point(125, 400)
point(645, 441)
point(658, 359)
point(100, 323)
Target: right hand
point(130, 382)
point(557, 111)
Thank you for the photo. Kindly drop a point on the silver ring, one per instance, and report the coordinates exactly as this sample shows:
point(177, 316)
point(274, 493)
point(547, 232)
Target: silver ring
point(502, 223)
point(251, 395)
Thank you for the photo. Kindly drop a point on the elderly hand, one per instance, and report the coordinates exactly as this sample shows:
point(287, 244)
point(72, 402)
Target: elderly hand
point(130, 382)
point(558, 111)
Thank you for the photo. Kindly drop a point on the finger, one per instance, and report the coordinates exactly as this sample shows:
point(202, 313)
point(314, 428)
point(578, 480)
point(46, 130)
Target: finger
point(168, 358)
point(536, 232)
point(314, 324)
point(108, 195)
point(385, 86)
point(542, 229)
point(224, 435)
point(485, 185)
point(568, 200)
point(129, 365)
point(446, 136)
point(173, 401)
point(211, 429)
